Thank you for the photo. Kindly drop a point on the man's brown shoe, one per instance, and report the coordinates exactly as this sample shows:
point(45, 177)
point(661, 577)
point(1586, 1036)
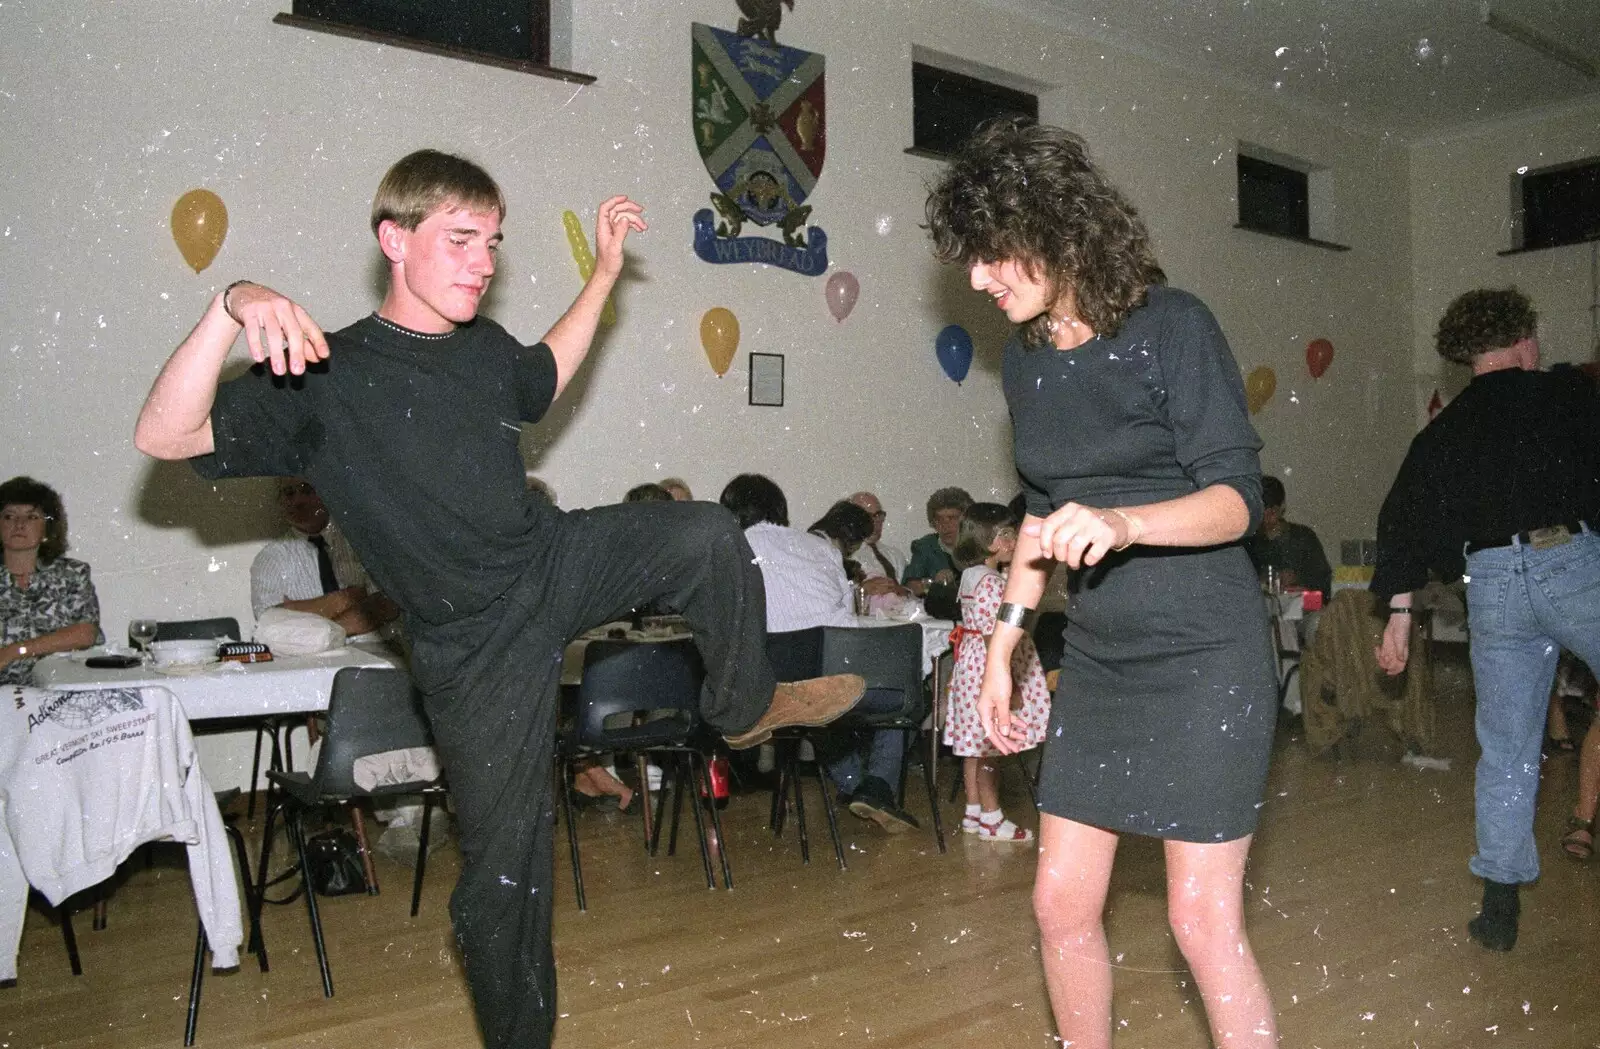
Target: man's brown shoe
point(812, 702)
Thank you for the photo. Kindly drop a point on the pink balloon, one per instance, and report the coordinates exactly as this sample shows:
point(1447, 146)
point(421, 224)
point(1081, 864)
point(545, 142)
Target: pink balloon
point(842, 291)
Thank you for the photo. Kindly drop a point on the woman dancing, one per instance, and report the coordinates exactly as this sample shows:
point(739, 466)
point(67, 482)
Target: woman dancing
point(1140, 469)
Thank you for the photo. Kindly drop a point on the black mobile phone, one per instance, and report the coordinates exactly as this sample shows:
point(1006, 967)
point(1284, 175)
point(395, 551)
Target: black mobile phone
point(112, 662)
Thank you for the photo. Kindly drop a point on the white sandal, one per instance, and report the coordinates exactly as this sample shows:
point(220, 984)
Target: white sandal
point(1004, 831)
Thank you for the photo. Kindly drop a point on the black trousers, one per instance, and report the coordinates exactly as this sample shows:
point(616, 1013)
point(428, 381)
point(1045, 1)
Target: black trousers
point(490, 684)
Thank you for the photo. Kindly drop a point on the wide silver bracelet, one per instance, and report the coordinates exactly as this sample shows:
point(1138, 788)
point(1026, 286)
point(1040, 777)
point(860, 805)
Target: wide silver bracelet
point(1020, 616)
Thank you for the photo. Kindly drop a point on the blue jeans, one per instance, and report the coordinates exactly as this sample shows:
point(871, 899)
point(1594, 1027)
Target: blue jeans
point(841, 751)
point(1523, 606)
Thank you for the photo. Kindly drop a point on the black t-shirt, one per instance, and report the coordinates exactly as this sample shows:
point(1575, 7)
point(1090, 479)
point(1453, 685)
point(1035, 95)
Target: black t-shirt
point(412, 442)
point(1517, 450)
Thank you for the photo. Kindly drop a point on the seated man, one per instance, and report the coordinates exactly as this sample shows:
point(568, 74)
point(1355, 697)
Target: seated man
point(881, 564)
point(313, 569)
point(1293, 549)
point(806, 586)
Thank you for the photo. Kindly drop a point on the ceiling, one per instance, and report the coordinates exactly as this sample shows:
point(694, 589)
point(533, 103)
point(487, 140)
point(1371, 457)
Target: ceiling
point(1416, 68)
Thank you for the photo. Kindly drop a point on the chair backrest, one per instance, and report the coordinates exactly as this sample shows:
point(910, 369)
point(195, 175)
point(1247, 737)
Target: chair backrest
point(372, 710)
point(890, 658)
point(661, 680)
point(197, 629)
point(795, 654)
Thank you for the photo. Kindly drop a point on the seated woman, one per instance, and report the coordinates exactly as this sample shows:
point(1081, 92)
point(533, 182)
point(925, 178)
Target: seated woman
point(47, 603)
point(931, 574)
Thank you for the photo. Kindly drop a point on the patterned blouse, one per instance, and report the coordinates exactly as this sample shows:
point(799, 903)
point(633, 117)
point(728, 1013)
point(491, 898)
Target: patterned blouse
point(60, 594)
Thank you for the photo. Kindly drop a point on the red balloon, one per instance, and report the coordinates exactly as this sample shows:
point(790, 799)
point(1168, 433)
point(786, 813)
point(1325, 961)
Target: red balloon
point(1319, 354)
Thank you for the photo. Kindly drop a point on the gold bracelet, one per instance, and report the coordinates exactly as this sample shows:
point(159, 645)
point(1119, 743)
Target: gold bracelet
point(1135, 528)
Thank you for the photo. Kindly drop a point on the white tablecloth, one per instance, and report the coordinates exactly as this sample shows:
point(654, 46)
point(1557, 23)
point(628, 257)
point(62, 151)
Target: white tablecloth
point(287, 685)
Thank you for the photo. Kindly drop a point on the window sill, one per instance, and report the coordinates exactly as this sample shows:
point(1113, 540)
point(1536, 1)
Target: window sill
point(1547, 247)
point(355, 32)
point(1312, 241)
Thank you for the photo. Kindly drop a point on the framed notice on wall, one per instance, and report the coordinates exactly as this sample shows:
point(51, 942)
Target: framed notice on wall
point(766, 379)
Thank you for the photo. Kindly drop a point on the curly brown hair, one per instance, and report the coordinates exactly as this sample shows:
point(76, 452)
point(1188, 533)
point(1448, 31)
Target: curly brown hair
point(1483, 320)
point(25, 491)
point(1027, 192)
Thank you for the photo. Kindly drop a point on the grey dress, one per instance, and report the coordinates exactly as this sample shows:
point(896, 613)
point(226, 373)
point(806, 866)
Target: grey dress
point(1163, 720)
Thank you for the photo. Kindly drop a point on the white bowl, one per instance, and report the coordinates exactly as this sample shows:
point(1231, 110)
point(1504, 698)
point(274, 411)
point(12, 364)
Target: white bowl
point(183, 653)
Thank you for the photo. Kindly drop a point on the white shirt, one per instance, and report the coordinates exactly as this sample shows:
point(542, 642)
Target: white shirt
point(286, 569)
point(804, 576)
point(870, 566)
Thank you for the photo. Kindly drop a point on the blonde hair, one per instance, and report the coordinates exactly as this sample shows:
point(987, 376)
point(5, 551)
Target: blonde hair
point(421, 183)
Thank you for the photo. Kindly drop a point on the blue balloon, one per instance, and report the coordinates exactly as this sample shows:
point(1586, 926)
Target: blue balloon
point(953, 347)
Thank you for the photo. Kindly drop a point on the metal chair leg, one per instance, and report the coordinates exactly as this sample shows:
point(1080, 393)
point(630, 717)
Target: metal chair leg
point(70, 939)
point(422, 853)
point(800, 807)
point(830, 810)
point(695, 801)
point(563, 787)
point(722, 842)
point(297, 831)
point(933, 804)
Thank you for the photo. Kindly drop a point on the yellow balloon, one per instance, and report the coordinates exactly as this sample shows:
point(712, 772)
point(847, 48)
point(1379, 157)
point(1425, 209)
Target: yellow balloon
point(199, 224)
point(579, 245)
point(1259, 386)
point(719, 334)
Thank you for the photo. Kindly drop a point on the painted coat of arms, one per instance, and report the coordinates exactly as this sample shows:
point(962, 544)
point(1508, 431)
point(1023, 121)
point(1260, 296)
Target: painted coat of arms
point(760, 127)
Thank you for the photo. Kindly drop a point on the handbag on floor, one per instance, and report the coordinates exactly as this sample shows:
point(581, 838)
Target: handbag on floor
point(333, 862)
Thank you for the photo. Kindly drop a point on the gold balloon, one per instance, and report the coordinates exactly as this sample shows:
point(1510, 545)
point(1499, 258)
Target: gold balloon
point(719, 334)
point(1259, 386)
point(199, 224)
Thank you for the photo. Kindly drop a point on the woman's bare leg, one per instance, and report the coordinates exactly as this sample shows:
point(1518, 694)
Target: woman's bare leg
point(1069, 899)
point(1205, 906)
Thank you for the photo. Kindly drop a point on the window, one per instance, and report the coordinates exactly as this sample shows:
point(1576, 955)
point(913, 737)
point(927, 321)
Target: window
point(513, 34)
point(1285, 197)
point(946, 107)
point(1273, 198)
point(1556, 205)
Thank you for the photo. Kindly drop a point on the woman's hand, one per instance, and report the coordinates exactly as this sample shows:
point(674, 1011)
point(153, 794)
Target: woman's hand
point(994, 705)
point(1081, 535)
point(277, 329)
point(1395, 650)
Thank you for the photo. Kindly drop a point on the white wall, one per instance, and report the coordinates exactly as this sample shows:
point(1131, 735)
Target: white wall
point(1461, 220)
point(110, 112)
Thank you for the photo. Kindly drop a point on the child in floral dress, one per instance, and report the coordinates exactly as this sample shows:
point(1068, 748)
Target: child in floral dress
point(988, 539)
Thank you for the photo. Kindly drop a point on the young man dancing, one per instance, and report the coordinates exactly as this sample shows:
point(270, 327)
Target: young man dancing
point(408, 423)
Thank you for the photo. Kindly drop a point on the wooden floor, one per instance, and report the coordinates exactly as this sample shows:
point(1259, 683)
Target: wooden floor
point(1358, 894)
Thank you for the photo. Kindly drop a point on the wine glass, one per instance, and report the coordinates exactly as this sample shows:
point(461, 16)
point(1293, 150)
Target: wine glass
point(142, 632)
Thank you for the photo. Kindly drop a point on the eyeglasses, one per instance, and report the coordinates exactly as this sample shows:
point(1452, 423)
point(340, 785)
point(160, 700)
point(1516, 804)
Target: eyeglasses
point(878, 515)
point(23, 517)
